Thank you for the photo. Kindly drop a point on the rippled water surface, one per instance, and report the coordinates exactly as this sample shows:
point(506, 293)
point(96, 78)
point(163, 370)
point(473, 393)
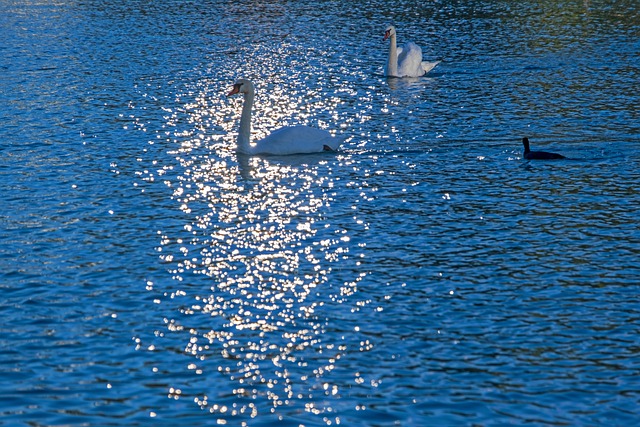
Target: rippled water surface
point(425, 274)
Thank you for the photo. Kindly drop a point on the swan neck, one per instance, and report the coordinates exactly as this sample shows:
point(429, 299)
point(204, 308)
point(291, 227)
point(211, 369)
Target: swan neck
point(392, 62)
point(244, 134)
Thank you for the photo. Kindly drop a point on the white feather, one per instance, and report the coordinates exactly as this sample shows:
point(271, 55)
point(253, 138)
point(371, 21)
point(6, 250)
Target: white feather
point(283, 141)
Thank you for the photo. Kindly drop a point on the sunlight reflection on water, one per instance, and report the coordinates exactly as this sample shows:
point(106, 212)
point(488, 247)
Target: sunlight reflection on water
point(255, 233)
point(424, 275)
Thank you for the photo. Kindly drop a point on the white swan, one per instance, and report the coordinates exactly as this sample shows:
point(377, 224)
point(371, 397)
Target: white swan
point(405, 61)
point(283, 141)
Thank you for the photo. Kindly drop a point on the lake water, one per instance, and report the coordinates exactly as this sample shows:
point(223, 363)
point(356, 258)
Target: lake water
point(424, 275)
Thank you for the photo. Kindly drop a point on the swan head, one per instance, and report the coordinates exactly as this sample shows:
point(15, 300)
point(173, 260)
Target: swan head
point(242, 86)
point(389, 32)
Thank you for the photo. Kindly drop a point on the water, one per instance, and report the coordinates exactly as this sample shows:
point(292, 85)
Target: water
point(424, 275)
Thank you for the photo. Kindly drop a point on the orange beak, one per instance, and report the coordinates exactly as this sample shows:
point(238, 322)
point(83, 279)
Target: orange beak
point(236, 89)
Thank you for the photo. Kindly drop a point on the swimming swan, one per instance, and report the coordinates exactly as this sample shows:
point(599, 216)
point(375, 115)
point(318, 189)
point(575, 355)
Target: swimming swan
point(405, 61)
point(283, 141)
point(538, 155)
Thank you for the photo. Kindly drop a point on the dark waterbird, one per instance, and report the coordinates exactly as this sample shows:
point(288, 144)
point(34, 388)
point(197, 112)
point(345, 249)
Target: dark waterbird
point(538, 155)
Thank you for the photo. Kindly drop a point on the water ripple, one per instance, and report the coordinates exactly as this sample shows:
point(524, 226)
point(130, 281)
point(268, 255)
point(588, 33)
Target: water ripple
point(425, 274)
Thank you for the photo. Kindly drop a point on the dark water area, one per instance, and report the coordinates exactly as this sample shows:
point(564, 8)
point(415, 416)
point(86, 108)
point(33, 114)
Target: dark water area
point(425, 274)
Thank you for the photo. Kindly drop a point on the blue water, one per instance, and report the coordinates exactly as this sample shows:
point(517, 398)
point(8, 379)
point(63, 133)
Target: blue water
point(424, 275)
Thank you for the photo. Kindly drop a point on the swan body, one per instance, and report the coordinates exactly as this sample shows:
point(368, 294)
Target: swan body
point(538, 155)
point(283, 141)
point(405, 61)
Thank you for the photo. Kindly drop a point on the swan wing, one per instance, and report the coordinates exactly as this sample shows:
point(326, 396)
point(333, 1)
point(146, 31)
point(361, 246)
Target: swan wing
point(428, 66)
point(410, 61)
point(296, 140)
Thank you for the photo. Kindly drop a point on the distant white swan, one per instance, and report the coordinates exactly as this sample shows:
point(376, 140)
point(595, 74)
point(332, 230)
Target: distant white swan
point(405, 61)
point(283, 141)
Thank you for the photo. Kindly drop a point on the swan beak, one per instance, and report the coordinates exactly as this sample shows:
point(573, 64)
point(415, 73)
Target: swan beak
point(236, 89)
point(386, 35)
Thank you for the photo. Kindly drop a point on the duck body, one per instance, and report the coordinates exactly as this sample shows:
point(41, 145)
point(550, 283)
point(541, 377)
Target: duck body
point(286, 140)
point(538, 155)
